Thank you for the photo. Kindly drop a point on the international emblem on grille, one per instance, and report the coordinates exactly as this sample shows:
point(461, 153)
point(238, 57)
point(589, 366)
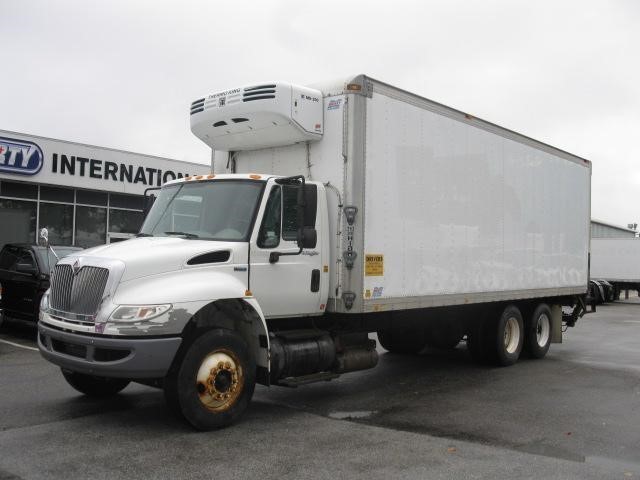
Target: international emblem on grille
point(76, 267)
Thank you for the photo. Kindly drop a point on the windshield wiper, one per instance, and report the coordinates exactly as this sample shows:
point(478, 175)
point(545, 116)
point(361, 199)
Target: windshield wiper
point(185, 234)
point(143, 235)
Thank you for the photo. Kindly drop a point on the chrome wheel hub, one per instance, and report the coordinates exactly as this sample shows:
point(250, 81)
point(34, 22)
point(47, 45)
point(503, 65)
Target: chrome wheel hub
point(219, 380)
point(511, 335)
point(543, 330)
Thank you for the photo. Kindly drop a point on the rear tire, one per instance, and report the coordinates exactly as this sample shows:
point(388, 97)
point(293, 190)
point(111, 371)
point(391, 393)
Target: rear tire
point(508, 337)
point(498, 340)
point(537, 335)
point(401, 341)
point(92, 386)
point(212, 384)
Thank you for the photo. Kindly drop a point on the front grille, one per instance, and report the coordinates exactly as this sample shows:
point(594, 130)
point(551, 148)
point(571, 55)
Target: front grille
point(78, 293)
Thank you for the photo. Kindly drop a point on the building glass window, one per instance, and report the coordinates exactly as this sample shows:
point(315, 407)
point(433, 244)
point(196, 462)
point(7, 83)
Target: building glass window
point(89, 197)
point(91, 226)
point(86, 227)
point(56, 194)
point(18, 190)
point(58, 220)
point(125, 221)
point(135, 202)
point(18, 221)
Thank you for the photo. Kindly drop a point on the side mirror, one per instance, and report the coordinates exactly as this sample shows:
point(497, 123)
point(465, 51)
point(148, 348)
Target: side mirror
point(308, 238)
point(27, 268)
point(44, 235)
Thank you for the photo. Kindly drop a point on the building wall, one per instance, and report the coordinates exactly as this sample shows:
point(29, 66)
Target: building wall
point(598, 230)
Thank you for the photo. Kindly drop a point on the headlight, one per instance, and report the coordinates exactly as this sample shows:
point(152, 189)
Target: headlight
point(44, 302)
point(138, 313)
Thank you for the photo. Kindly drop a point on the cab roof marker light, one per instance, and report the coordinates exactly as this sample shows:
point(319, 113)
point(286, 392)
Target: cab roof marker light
point(255, 176)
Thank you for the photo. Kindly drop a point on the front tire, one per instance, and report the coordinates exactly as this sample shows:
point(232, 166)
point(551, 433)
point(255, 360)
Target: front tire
point(213, 382)
point(538, 332)
point(93, 386)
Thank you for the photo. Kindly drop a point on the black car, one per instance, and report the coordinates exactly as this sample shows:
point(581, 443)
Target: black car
point(24, 277)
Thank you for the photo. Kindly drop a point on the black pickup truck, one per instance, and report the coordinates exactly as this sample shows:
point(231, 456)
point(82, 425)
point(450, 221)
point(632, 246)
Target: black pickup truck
point(24, 277)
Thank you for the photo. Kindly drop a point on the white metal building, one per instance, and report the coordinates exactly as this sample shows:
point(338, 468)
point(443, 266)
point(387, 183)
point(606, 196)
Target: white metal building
point(85, 195)
point(600, 229)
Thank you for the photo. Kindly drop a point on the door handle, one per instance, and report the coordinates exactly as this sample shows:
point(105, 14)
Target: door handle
point(315, 280)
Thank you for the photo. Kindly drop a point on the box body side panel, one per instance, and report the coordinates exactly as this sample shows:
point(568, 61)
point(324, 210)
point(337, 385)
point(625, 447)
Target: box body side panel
point(615, 259)
point(455, 213)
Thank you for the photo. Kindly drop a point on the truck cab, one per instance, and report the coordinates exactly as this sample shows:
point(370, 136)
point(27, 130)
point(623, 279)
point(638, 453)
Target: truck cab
point(217, 254)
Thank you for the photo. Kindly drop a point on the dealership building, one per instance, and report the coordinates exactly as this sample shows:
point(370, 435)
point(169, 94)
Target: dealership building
point(83, 194)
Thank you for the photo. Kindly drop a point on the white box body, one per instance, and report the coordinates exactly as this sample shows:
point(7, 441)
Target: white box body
point(451, 209)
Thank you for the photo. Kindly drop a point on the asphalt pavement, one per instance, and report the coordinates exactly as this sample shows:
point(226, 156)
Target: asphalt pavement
point(575, 414)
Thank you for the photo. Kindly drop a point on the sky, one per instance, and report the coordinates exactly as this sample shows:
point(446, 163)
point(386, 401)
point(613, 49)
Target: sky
point(122, 74)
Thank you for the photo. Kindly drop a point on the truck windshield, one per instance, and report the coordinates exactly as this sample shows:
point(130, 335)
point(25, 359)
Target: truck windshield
point(213, 210)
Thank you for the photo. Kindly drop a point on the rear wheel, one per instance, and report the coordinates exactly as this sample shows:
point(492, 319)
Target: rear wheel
point(538, 332)
point(401, 341)
point(509, 337)
point(213, 382)
point(498, 340)
point(92, 386)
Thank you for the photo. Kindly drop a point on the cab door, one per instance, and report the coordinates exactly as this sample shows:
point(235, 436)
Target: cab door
point(291, 285)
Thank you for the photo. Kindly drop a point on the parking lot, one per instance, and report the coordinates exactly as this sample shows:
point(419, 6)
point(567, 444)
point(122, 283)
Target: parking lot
point(575, 414)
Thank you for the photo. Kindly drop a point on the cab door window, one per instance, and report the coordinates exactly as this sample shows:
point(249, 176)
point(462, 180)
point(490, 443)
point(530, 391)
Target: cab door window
point(269, 234)
point(281, 215)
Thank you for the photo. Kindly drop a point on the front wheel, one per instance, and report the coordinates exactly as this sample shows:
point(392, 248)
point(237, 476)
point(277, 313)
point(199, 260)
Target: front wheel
point(92, 386)
point(213, 382)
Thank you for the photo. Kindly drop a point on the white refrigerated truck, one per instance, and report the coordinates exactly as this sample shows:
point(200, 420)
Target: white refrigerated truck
point(332, 212)
point(616, 260)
